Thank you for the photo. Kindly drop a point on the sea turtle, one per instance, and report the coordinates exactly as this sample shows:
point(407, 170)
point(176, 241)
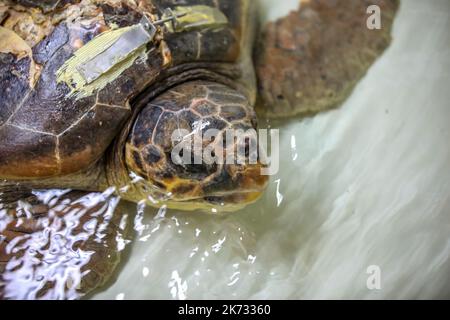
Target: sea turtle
point(93, 91)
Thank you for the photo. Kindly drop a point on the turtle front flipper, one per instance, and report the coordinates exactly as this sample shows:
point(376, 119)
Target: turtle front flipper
point(58, 245)
point(310, 60)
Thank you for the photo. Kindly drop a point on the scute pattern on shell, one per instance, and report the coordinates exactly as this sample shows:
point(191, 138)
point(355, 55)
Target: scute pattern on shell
point(44, 131)
point(61, 133)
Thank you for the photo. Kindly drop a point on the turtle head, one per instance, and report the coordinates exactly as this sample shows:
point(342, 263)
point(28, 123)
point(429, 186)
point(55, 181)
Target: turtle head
point(195, 148)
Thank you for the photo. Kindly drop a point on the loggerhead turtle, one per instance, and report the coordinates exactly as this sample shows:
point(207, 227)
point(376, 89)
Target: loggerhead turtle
point(92, 91)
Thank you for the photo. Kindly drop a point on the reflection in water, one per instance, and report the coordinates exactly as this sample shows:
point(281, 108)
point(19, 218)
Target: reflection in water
point(279, 195)
point(294, 148)
point(161, 263)
point(178, 287)
point(59, 244)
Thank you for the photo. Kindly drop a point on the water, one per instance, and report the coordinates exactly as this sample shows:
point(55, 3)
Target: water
point(364, 185)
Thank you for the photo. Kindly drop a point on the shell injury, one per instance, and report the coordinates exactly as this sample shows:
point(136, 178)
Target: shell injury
point(103, 59)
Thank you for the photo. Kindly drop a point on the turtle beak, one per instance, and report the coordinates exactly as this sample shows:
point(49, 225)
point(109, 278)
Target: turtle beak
point(232, 188)
point(236, 186)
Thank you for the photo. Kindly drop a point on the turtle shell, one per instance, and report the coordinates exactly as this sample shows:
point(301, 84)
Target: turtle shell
point(50, 125)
